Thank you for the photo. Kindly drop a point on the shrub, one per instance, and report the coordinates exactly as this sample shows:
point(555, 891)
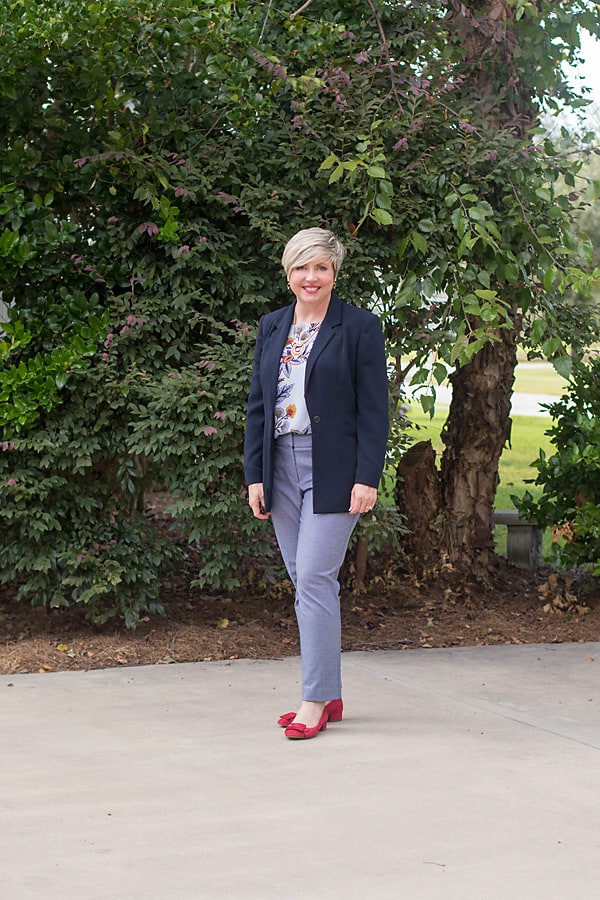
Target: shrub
point(72, 529)
point(570, 478)
point(188, 426)
point(65, 539)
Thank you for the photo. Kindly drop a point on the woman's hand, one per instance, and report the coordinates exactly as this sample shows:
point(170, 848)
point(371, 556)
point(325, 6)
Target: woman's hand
point(362, 498)
point(256, 500)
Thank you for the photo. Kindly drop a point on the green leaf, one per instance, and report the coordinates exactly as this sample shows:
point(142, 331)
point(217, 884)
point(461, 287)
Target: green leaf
point(466, 244)
point(552, 346)
point(460, 345)
point(440, 372)
point(336, 174)
point(549, 278)
point(427, 402)
point(477, 214)
point(419, 242)
point(426, 226)
point(382, 216)
point(538, 329)
point(329, 162)
point(563, 365)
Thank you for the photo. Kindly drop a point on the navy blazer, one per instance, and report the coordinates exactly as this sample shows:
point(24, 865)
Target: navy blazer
point(346, 396)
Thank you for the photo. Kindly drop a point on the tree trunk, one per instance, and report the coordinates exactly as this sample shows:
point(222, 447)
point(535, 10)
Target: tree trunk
point(418, 498)
point(478, 424)
point(475, 433)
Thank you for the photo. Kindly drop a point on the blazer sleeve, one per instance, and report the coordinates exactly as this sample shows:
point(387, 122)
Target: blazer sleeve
point(372, 421)
point(255, 418)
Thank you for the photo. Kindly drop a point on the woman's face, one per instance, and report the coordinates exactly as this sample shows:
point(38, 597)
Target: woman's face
point(312, 283)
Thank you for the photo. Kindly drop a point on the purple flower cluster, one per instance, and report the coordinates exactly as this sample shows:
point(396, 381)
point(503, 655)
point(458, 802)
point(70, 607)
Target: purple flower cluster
point(178, 159)
point(231, 201)
point(240, 329)
point(300, 122)
point(149, 228)
point(102, 157)
point(185, 249)
point(415, 126)
point(87, 267)
point(131, 322)
point(335, 80)
point(273, 68)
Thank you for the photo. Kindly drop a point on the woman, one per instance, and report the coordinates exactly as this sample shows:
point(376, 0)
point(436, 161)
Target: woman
point(316, 435)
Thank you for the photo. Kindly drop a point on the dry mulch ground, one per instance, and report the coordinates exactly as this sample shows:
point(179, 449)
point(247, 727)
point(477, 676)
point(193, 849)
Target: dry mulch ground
point(404, 612)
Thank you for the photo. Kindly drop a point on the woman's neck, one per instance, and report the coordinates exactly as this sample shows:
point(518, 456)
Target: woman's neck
point(308, 314)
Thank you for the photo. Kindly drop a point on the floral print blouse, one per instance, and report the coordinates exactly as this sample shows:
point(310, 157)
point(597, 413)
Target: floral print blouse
point(291, 413)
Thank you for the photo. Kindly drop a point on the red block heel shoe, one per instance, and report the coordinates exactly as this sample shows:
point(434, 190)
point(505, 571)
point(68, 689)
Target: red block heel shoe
point(334, 710)
point(299, 732)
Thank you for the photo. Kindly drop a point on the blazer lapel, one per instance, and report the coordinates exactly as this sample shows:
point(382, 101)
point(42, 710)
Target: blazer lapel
point(274, 342)
point(331, 322)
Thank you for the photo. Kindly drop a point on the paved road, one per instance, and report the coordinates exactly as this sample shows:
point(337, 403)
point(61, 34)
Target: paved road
point(462, 774)
point(522, 404)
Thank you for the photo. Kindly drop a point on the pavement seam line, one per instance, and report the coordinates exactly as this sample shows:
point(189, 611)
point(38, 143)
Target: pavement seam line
point(505, 712)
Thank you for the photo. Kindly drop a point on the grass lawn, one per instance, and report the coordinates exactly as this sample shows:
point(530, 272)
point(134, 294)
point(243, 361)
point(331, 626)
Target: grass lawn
point(515, 463)
point(527, 439)
point(538, 378)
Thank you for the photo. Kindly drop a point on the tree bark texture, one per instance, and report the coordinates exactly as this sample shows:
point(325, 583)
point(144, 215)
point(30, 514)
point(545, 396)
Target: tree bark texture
point(475, 433)
point(418, 497)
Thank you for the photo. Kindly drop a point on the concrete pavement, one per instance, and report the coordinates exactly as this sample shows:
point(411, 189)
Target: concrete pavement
point(521, 404)
point(461, 774)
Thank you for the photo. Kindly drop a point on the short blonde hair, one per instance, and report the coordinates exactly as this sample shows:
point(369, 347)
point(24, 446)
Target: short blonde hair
point(313, 243)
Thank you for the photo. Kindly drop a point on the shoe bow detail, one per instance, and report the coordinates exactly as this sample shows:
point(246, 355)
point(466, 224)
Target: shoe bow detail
point(299, 731)
point(334, 709)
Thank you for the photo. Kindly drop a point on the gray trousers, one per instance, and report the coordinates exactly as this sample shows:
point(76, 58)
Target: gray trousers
point(313, 547)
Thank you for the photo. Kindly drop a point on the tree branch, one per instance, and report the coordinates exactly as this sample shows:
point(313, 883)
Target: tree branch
point(264, 25)
point(386, 48)
point(301, 9)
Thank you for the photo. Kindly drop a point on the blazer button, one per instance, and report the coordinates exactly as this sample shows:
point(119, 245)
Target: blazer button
point(317, 419)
